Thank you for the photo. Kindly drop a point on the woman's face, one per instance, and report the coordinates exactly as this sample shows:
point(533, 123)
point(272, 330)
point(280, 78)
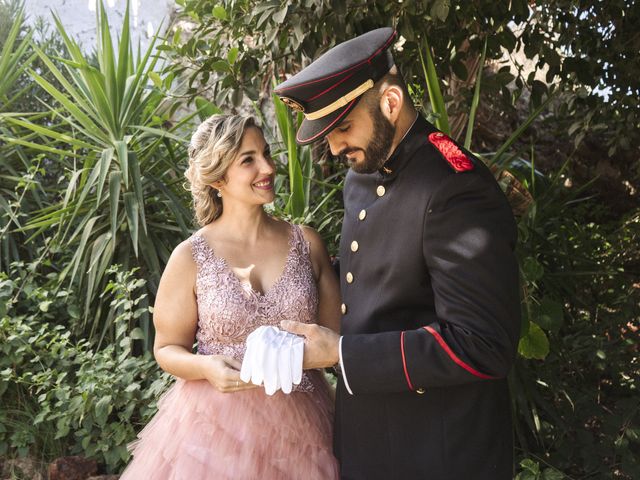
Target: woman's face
point(250, 176)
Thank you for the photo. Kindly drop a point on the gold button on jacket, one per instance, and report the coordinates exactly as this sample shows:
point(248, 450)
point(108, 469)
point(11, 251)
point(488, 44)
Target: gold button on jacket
point(380, 191)
point(362, 215)
point(349, 277)
point(354, 246)
point(343, 309)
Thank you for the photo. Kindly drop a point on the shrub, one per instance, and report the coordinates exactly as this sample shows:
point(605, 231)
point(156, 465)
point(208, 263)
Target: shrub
point(61, 395)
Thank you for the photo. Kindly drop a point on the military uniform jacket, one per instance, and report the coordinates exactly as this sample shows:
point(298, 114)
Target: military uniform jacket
point(431, 317)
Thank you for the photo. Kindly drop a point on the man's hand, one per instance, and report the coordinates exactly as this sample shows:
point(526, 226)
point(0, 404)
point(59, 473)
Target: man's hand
point(320, 345)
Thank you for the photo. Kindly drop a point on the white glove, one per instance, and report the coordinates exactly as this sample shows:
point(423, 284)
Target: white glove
point(284, 364)
point(274, 357)
point(262, 350)
point(270, 365)
point(251, 370)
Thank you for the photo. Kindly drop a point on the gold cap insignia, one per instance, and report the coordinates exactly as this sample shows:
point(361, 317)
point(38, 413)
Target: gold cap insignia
point(292, 104)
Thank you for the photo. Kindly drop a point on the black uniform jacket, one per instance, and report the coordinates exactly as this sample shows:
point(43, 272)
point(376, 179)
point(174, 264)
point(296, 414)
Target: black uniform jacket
point(431, 320)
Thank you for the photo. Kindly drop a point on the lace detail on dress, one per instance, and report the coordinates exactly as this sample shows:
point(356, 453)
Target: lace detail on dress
point(229, 310)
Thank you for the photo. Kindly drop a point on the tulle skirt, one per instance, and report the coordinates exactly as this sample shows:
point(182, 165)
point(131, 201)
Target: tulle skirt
point(201, 433)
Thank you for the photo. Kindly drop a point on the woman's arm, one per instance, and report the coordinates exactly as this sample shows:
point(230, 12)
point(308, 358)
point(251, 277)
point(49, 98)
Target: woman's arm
point(328, 287)
point(175, 317)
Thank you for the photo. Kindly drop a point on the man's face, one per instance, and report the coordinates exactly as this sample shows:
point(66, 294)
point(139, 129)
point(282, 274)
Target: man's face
point(363, 139)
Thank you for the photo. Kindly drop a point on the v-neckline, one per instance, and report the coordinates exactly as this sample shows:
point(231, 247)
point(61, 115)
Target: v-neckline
point(247, 286)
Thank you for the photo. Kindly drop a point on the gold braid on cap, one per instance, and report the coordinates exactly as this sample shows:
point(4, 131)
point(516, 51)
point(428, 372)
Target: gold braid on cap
point(341, 102)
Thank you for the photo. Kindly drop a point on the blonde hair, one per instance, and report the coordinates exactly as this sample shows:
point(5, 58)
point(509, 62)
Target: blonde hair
point(212, 149)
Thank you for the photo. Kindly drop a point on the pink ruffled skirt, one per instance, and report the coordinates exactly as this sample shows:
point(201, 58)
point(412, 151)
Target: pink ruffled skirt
point(201, 433)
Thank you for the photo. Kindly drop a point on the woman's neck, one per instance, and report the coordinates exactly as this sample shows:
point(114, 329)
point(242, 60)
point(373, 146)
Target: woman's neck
point(246, 223)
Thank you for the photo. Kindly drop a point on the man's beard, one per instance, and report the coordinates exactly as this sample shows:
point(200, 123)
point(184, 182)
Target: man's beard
point(377, 152)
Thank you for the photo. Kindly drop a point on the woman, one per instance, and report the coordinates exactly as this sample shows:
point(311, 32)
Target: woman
point(242, 269)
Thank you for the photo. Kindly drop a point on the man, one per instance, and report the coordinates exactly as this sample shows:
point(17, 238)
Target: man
point(429, 280)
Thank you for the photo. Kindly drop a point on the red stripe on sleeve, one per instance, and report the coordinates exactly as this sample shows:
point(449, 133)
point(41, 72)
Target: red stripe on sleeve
point(404, 362)
point(454, 357)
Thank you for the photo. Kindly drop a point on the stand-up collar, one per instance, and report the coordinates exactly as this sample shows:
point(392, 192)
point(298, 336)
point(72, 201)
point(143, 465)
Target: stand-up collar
point(416, 136)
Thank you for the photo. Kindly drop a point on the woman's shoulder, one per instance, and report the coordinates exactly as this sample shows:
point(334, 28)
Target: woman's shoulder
point(183, 255)
point(311, 235)
point(317, 249)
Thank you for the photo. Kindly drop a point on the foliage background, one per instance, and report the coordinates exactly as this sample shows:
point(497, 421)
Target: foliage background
point(575, 384)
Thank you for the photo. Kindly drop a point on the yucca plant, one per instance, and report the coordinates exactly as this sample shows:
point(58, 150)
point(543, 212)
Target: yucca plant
point(123, 200)
point(15, 58)
point(18, 168)
point(298, 161)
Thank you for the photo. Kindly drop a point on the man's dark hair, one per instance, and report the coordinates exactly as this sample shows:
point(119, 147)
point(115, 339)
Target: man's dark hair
point(392, 77)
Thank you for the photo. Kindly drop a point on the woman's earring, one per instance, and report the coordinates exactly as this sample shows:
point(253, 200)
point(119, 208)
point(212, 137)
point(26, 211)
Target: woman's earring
point(219, 194)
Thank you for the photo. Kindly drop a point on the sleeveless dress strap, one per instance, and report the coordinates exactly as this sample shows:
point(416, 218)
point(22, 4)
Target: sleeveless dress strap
point(299, 241)
point(200, 251)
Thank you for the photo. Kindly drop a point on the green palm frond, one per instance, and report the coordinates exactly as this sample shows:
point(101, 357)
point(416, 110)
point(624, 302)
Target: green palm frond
point(122, 205)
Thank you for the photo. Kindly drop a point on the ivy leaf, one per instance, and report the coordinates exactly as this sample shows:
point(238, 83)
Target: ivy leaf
point(132, 387)
point(532, 269)
point(530, 466)
point(551, 56)
point(270, 34)
point(155, 78)
point(297, 31)
point(62, 427)
point(507, 39)
point(534, 344)
point(440, 10)
point(220, 66)
point(73, 311)
point(137, 334)
point(538, 90)
point(460, 70)
point(232, 55)
point(236, 97)
point(279, 16)
point(219, 12)
point(44, 306)
point(176, 36)
point(504, 77)
point(552, 474)
point(103, 408)
point(549, 314)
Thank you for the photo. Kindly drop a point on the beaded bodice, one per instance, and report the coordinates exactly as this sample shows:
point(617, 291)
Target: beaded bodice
point(229, 310)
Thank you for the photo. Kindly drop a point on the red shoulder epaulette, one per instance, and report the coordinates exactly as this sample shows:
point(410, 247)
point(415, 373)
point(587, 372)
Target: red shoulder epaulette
point(450, 151)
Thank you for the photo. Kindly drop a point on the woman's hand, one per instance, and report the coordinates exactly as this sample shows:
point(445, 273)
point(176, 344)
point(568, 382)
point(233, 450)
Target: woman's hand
point(224, 373)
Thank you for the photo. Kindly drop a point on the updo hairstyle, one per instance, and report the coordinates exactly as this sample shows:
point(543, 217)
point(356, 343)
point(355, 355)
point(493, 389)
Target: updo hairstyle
point(212, 149)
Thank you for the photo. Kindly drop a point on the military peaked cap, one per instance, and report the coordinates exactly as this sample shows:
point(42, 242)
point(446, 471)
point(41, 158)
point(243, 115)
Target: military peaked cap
point(328, 89)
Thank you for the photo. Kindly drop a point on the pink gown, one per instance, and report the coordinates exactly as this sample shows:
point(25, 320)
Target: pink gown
point(201, 433)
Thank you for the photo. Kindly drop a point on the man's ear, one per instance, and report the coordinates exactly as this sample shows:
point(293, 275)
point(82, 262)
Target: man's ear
point(391, 102)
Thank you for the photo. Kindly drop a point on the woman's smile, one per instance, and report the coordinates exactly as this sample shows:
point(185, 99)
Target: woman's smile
point(264, 184)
